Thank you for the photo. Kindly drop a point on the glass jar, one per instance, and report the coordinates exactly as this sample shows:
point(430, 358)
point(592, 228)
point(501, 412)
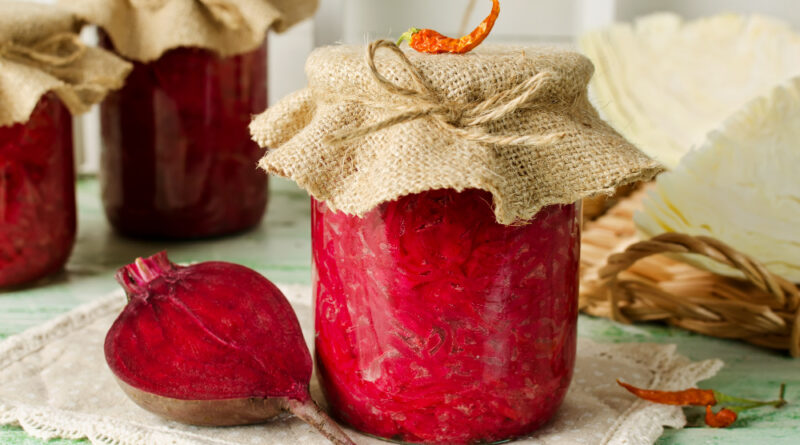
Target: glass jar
point(37, 194)
point(436, 324)
point(178, 160)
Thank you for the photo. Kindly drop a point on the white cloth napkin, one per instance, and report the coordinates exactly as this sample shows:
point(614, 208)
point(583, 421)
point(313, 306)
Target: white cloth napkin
point(54, 383)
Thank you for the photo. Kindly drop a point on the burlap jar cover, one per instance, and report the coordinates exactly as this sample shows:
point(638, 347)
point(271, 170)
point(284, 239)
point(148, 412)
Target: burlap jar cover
point(40, 52)
point(379, 123)
point(143, 30)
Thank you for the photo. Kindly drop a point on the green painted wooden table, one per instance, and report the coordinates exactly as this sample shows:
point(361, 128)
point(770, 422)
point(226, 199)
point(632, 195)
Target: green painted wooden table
point(281, 250)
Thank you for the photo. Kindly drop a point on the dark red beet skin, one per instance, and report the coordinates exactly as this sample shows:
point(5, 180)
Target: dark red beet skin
point(178, 161)
point(37, 194)
point(210, 344)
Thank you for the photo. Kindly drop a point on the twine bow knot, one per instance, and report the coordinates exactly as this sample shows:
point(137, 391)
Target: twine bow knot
point(57, 51)
point(466, 120)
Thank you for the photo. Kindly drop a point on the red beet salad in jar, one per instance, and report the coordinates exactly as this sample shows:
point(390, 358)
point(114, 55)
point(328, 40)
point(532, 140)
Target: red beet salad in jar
point(47, 76)
point(436, 324)
point(178, 161)
point(445, 231)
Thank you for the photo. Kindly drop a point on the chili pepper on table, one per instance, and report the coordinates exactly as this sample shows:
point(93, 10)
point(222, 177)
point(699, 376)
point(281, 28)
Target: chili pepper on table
point(708, 398)
point(432, 42)
point(687, 397)
point(724, 418)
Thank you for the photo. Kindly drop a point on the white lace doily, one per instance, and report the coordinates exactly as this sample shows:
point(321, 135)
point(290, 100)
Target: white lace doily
point(54, 383)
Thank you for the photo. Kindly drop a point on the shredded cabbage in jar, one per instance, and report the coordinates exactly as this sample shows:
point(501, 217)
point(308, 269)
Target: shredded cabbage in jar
point(436, 324)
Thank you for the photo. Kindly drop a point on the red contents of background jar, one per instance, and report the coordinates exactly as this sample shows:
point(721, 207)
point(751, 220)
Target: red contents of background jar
point(436, 324)
point(37, 194)
point(178, 161)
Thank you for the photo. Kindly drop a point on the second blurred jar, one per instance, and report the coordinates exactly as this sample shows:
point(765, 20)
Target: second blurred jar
point(177, 160)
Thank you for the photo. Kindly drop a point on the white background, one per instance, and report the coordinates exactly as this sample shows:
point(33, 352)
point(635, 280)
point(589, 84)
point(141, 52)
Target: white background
point(359, 21)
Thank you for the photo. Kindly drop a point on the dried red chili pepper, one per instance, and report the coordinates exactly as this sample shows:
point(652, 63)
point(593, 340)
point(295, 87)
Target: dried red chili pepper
point(724, 418)
point(687, 397)
point(708, 398)
point(432, 42)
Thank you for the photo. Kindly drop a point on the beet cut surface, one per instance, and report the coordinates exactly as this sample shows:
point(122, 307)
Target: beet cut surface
point(211, 344)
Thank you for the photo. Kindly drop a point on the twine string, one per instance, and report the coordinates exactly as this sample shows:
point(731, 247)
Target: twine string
point(57, 51)
point(465, 120)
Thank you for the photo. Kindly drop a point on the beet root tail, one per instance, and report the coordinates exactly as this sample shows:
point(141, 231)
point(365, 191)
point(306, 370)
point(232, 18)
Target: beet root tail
point(310, 413)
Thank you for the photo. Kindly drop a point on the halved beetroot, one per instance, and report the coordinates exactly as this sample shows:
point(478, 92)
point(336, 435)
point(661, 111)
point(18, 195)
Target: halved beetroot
point(211, 344)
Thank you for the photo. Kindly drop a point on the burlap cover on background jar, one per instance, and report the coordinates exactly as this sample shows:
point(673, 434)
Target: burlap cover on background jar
point(515, 122)
point(143, 30)
point(40, 52)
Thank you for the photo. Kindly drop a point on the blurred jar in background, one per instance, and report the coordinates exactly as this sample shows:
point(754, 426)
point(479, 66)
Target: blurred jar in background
point(37, 194)
point(48, 75)
point(178, 161)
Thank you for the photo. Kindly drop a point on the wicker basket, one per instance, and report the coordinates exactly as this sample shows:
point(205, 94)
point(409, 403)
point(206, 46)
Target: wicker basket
point(629, 280)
